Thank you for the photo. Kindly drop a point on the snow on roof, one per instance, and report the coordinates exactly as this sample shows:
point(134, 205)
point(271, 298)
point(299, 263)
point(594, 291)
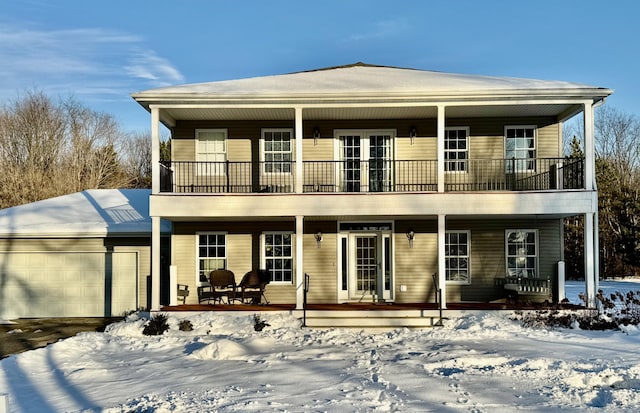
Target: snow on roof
point(364, 79)
point(94, 212)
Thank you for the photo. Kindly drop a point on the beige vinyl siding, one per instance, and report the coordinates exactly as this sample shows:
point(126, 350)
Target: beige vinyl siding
point(320, 262)
point(488, 253)
point(414, 266)
point(243, 253)
point(52, 244)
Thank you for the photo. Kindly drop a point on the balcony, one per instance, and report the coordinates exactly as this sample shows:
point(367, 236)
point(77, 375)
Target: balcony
point(349, 176)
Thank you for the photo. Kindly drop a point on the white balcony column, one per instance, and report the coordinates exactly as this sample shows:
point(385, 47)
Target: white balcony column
point(589, 147)
point(155, 150)
point(299, 136)
point(155, 264)
point(440, 148)
point(442, 265)
point(590, 282)
point(299, 263)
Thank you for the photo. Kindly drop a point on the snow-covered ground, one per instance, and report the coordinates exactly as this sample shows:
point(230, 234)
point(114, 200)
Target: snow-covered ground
point(482, 362)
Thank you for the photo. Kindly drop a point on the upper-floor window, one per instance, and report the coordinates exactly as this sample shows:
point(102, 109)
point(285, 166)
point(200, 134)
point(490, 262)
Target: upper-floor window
point(276, 150)
point(522, 253)
point(211, 151)
point(457, 256)
point(212, 253)
point(456, 149)
point(520, 148)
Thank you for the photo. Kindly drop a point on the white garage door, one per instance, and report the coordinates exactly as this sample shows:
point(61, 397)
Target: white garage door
point(70, 284)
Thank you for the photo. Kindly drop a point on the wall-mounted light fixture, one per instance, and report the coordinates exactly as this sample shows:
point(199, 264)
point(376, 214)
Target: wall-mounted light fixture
point(410, 236)
point(316, 135)
point(413, 132)
point(318, 237)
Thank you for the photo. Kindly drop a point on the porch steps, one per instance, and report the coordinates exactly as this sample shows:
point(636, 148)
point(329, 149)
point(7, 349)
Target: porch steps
point(373, 318)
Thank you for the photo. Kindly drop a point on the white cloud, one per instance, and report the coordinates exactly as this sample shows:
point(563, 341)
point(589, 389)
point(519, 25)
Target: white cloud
point(95, 63)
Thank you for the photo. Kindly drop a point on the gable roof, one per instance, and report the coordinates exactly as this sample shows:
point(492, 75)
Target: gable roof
point(364, 80)
point(90, 213)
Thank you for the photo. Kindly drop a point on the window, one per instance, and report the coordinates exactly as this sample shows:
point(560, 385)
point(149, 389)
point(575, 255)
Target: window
point(212, 253)
point(278, 259)
point(211, 151)
point(520, 148)
point(456, 149)
point(522, 253)
point(457, 256)
point(277, 150)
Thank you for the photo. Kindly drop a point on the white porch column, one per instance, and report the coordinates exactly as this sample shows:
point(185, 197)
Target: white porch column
point(155, 264)
point(299, 261)
point(440, 148)
point(589, 261)
point(589, 147)
point(442, 268)
point(155, 150)
point(299, 137)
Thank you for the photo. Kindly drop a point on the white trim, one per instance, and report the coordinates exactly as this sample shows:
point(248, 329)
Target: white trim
point(345, 295)
point(468, 256)
point(506, 249)
point(197, 244)
point(198, 154)
point(292, 142)
point(467, 150)
point(535, 145)
point(263, 257)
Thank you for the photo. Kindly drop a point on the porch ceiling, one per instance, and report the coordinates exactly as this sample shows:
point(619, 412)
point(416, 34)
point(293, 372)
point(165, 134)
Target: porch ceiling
point(200, 113)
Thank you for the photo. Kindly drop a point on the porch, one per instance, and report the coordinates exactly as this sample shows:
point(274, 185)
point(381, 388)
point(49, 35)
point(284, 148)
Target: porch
point(349, 176)
point(372, 315)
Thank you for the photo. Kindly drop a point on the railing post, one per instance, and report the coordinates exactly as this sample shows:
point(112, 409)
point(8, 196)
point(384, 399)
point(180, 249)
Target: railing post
point(304, 301)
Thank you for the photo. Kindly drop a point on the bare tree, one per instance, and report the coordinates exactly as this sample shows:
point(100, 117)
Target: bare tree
point(617, 153)
point(137, 159)
point(52, 148)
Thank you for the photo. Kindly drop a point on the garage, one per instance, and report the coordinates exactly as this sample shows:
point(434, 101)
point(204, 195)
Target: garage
point(69, 284)
point(80, 255)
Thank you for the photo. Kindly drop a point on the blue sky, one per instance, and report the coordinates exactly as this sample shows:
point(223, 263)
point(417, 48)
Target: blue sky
point(102, 51)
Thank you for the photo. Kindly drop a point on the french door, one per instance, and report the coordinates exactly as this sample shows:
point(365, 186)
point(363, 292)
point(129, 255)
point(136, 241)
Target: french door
point(366, 161)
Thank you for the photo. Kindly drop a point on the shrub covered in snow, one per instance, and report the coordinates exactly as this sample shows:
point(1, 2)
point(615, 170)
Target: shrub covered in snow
point(612, 312)
point(157, 325)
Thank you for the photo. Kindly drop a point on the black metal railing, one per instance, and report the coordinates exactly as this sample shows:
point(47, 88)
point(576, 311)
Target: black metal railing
point(374, 175)
point(531, 174)
point(227, 177)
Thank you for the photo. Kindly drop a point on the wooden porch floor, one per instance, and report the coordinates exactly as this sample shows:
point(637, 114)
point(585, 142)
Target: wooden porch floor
point(369, 306)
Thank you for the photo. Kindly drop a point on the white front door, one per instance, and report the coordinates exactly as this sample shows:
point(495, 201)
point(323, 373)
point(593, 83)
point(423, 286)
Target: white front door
point(366, 266)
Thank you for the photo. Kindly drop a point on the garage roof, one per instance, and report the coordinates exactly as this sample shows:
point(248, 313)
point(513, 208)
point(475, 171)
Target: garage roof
point(90, 213)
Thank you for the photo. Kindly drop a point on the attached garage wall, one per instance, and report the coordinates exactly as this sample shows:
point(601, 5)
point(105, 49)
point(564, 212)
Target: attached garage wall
point(72, 277)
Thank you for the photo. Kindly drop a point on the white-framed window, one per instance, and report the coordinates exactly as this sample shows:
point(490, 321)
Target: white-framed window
point(457, 253)
point(211, 151)
point(520, 148)
point(211, 250)
point(277, 150)
point(522, 252)
point(456, 149)
point(277, 256)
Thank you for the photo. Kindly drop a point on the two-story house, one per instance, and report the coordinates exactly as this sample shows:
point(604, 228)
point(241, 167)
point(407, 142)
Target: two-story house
point(371, 179)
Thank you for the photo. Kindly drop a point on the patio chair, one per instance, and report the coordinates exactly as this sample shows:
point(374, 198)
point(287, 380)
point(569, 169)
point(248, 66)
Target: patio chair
point(223, 284)
point(205, 294)
point(253, 285)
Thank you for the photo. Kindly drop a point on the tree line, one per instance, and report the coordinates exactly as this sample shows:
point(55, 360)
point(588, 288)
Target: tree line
point(617, 156)
point(50, 148)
